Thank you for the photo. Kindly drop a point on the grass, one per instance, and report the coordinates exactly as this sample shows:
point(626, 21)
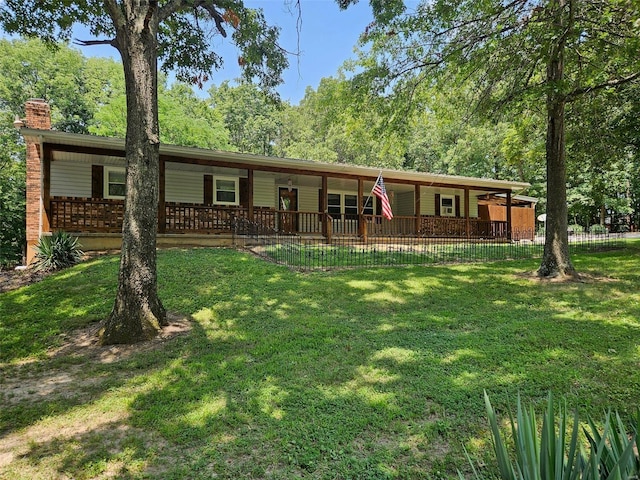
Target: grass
point(375, 373)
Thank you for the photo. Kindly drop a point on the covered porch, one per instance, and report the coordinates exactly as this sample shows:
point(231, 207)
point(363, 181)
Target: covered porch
point(209, 196)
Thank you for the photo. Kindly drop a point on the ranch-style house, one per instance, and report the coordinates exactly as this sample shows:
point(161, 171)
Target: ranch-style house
point(75, 183)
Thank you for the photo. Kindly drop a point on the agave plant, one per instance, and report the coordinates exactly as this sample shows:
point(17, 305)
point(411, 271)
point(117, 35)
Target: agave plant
point(548, 454)
point(60, 250)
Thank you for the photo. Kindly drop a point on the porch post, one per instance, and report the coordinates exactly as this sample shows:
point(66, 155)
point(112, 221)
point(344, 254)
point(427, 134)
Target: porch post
point(361, 226)
point(323, 206)
point(416, 210)
point(509, 233)
point(162, 211)
point(466, 213)
point(250, 193)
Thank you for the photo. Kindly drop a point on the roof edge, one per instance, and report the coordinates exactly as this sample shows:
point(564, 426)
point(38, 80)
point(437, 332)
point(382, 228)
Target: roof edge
point(65, 138)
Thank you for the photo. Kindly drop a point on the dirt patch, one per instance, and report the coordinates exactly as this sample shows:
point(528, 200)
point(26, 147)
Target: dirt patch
point(579, 278)
point(23, 383)
point(31, 384)
point(45, 380)
point(85, 342)
point(13, 279)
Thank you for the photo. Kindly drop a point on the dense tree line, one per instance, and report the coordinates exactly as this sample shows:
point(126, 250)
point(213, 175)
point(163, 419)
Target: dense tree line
point(441, 132)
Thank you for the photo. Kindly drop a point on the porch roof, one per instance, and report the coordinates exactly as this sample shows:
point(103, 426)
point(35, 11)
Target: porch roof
point(115, 146)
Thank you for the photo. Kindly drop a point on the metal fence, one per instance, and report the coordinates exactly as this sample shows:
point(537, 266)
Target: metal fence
point(305, 254)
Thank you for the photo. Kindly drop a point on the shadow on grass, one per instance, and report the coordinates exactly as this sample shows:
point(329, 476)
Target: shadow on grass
point(59, 303)
point(360, 374)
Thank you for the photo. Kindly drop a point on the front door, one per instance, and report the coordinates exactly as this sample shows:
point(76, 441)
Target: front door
point(287, 204)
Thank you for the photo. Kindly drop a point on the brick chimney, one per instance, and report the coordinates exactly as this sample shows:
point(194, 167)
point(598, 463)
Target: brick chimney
point(38, 116)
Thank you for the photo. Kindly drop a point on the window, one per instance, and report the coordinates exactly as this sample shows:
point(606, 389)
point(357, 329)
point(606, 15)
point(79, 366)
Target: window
point(368, 203)
point(351, 206)
point(334, 204)
point(226, 191)
point(347, 204)
point(114, 183)
point(447, 206)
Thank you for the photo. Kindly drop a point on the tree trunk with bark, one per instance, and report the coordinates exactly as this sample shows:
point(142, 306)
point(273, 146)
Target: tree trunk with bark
point(556, 260)
point(138, 313)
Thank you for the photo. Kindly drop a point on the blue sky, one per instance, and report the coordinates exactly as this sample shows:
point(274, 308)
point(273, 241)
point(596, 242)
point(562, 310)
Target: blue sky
point(327, 38)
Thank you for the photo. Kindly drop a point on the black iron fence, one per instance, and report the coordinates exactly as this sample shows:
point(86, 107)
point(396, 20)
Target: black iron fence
point(304, 253)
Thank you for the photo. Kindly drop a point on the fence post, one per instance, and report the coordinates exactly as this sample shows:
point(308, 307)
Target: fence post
point(329, 227)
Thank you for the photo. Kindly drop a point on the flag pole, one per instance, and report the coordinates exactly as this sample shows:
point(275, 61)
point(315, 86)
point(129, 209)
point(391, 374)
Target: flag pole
point(370, 191)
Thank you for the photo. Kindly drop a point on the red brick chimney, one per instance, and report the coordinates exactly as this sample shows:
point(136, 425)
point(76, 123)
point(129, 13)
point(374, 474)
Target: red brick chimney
point(38, 116)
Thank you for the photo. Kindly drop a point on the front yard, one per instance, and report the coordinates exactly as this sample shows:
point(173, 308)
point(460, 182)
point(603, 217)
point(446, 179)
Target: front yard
point(269, 373)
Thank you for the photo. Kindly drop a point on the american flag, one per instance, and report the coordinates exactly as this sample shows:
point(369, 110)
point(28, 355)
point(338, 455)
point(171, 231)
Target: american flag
point(380, 191)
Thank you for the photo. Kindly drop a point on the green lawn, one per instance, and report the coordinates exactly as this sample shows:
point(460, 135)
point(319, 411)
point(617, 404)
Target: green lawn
point(371, 373)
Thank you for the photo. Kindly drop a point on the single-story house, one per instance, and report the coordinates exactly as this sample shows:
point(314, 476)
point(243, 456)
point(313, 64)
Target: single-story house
point(75, 183)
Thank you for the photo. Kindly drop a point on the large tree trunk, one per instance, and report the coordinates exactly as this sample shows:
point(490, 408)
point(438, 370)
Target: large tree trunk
point(138, 313)
point(556, 260)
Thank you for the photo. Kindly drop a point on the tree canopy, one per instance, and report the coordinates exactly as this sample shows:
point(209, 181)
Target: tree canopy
point(514, 54)
point(461, 87)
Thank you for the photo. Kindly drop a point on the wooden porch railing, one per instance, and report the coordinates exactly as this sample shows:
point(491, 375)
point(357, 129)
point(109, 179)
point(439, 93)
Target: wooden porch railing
point(196, 218)
point(378, 226)
point(431, 226)
point(103, 215)
point(86, 214)
point(299, 222)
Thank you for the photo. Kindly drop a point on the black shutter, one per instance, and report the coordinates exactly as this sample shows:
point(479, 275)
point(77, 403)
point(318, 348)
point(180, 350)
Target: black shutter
point(437, 204)
point(97, 181)
point(244, 192)
point(208, 190)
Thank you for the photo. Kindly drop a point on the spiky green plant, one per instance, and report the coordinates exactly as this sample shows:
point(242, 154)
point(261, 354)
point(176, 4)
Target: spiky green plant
point(547, 454)
point(615, 451)
point(60, 250)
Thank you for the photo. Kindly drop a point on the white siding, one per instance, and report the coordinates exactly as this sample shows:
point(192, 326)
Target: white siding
point(308, 199)
point(186, 187)
point(70, 179)
point(264, 192)
point(473, 205)
point(428, 200)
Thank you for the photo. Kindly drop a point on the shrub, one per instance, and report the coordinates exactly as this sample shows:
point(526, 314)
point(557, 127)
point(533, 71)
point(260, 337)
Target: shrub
point(57, 251)
point(575, 229)
point(611, 451)
point(597, 229)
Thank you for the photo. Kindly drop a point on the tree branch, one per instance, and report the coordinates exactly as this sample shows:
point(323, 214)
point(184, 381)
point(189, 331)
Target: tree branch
point(88, 43)
point(170, 8)
point(115, 13)
point(474, 21)
point(215, 14)
point(174, 6)
point(613, 83)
